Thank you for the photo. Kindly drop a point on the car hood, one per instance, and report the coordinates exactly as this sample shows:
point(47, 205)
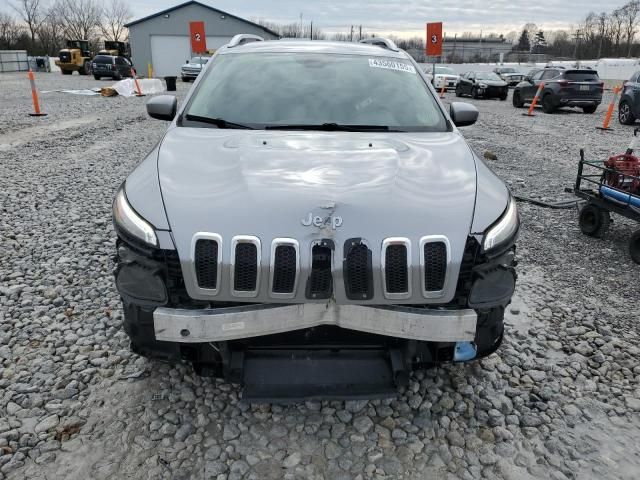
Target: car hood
point(264, 184)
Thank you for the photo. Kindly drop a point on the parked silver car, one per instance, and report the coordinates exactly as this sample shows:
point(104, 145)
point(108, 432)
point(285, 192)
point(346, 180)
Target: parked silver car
point(190, 70)
point(318, 233)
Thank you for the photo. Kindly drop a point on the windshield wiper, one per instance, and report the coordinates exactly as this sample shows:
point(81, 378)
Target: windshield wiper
point(332, 127)
point(218, 122)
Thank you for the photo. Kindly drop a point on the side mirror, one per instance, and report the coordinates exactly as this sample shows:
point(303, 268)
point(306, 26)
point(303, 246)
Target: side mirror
point(463, 114)
point(528, 79)
point(162, 107)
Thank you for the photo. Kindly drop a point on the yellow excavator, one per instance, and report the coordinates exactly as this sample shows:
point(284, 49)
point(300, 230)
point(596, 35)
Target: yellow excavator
point(75, 58)
point(117, 49)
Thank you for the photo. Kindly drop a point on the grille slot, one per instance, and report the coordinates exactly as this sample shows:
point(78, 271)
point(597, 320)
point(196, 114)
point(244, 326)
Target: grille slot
point(206, 263)
point(285, 265)
point(396, 270)
point(435, 266)
point(358, 273)
point(320, 283)
point(245, 278)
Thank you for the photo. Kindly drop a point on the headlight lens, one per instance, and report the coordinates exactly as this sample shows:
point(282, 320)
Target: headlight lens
point(504, 229)
point(128, 220)
point(483, 85)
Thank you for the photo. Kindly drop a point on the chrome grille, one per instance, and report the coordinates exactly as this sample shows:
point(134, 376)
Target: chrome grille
point(396, 268)
point(206, 263)
point(435, 266)
point(242, 274)
point(244, 269)
point(285, 267)
point(320, 283)
point(358, 274)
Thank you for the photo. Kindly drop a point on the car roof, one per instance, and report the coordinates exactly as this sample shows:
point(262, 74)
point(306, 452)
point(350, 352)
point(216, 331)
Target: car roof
point(316, 46)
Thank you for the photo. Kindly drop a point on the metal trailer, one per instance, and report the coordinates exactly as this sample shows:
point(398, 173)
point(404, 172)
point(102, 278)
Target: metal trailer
point(602, 198)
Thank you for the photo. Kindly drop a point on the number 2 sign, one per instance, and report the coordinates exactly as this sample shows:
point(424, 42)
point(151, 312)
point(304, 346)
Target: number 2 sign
point(198, 37)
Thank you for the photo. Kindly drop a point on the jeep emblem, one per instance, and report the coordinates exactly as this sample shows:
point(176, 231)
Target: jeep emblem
point(317, 221)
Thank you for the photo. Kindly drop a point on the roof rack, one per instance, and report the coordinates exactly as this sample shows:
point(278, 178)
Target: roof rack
point(381, 42)
point(243, 38)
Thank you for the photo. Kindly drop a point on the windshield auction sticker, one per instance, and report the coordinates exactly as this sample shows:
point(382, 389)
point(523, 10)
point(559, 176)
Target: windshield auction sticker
point(391, 65)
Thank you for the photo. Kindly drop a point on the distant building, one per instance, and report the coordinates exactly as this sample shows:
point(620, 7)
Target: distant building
point(474, 49)
point(162, 39)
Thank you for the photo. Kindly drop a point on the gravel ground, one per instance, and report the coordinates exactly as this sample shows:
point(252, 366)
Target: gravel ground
point(560, 399)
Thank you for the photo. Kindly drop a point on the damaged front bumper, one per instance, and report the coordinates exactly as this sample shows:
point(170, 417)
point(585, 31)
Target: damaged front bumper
point(241, 322)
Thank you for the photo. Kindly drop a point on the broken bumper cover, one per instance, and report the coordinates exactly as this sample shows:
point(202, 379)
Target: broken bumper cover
point(235, 323)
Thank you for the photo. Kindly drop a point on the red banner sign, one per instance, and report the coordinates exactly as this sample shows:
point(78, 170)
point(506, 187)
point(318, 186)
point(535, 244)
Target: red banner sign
point(198, 38)
point(434, 39)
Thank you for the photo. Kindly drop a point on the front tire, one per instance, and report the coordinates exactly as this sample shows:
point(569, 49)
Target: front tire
point(625, 113)
point(474, 93)
point(458, 92)
point(86, 68)
point(66, 72)
point(97, 77)
point(594, 221)
point(547, 104)
point(517, 100)
point(590, 109)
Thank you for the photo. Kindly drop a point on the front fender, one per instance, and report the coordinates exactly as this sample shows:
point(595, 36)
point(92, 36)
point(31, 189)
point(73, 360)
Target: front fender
point(492, 198)
point(143, 191)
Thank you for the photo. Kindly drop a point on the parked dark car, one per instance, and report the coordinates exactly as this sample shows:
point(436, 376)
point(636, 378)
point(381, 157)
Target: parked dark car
point(629, 106)
point(562, 88)
point(110, 66)
point(482, 84)
point(509, 75)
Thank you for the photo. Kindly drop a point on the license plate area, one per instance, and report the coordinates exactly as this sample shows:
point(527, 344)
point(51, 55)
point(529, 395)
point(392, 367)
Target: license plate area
point(585, 88)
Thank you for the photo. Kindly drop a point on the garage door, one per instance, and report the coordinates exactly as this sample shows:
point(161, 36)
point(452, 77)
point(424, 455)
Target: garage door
point(168, 52)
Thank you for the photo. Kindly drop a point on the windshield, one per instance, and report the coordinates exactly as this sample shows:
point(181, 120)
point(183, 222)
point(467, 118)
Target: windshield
point(202, 60)
point(445, 71)
point(582, 76)
point(487, 76)
point(508, 70)
point(103, 59)
point(311, 89)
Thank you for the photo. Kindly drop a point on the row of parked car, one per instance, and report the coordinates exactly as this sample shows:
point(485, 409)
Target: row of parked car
point(562, 88)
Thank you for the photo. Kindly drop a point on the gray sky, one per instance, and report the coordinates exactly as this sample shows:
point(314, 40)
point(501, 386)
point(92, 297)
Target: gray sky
point(405, 17)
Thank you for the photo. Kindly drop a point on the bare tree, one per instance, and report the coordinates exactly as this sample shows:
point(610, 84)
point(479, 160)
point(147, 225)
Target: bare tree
point(10, 31)
point(31, 12)
point(631, 12)
point(79, 18)
point(617, 23)
point(51, 33)
point(114, 16)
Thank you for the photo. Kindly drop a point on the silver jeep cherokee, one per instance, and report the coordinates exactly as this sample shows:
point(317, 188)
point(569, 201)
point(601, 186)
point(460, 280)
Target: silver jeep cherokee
point(313, 225)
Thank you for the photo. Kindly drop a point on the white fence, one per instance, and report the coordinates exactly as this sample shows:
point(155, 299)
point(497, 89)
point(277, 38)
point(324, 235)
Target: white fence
point(13, 61)
point(608, 69)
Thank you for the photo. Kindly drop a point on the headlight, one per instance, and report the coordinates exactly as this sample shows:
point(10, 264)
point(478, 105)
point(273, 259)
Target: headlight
point(504, 229)
point(128, 220)
point(483, 85)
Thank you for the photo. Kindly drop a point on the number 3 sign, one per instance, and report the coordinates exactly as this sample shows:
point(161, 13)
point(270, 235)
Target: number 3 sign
point(198, 37)
point(434, 37)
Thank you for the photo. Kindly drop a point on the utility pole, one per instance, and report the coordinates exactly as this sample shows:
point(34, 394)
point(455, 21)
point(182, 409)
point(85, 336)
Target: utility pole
point(577, 36)
point(351, 33)
point(360, 34)
point(311, 29)
point(301, 26)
